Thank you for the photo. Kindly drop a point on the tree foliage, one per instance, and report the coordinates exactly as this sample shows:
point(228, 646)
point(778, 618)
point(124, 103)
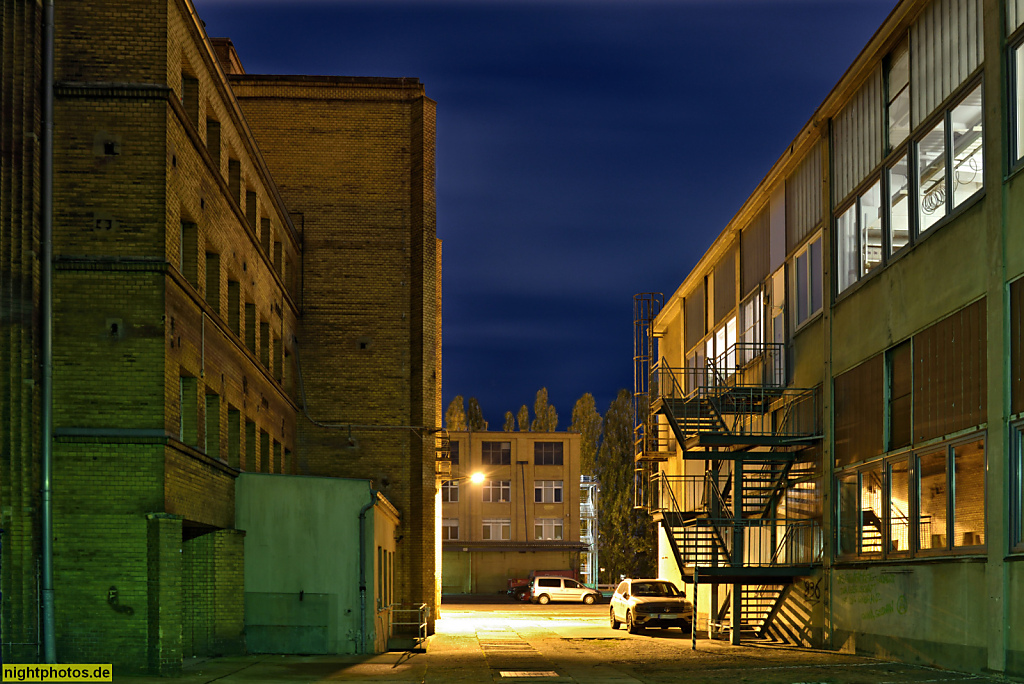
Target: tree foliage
point(626, 535)
point(545, 417)
point(455, 415)
point(523, 418)
point(510, 422)
point(587, 422)
point(475, 416)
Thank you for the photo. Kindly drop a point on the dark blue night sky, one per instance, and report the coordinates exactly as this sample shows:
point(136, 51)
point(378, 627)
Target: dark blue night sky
point(586, 151)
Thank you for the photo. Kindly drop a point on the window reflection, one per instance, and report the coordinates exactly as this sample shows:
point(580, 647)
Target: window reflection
point(871, 510)
point(933, 502)
point(846, 248)
point(899, 506)
point(969, 494)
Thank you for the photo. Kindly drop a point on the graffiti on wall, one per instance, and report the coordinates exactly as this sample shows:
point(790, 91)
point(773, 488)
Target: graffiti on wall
point(872, 595)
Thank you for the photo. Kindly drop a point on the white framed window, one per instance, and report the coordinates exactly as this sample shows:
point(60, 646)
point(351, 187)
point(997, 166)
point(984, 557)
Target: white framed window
point(547, 528)
point(807, 276)
point(450, 491)
point(497, 529)
point(449, 528)
point(547, 491)
point(497, 491)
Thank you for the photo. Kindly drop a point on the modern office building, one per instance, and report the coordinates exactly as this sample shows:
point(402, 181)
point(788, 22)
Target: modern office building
point(213, 314)
point(831, 403)
point(522, 516)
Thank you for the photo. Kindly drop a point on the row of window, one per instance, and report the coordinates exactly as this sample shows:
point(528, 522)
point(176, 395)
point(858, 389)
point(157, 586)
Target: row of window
point(500, 529)
point(500, 491)
point(926, 179)
point(926, 502)
point(247, 447)
point(500, 453)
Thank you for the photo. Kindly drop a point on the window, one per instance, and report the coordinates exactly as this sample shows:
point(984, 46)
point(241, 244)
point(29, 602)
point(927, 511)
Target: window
point(808, 276)
point(547, 528)
point(234, 437)
point(899, 205)
point(250, 327)
point(497, 491)
point(1016, 490)
point(751, 329)
point(547, 453)
point(234, 307)
point(189, 257)
point(931, 176)
point(188, 401)
point(927, 503)
point(453, 451)
point(212, 435)
point(965, 130)
point(497, 529)
point(547, 491)
point(213, 280)
point(449, 529)
point(190, 97)
point(1017, 67)
point(497, 453)
point(450, 491)
point(213, 142)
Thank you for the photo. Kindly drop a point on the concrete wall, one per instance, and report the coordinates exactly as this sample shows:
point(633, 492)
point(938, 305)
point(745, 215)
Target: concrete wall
point(302, 563)
point(488, 572)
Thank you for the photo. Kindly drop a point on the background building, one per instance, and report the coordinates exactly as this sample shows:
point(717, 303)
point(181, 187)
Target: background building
point(213, 315)
point(524, 516)
point(589, 490)
point(833, 441)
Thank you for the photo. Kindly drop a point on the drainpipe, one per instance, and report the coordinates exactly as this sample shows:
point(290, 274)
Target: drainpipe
point(362, 569)
point(46, 301)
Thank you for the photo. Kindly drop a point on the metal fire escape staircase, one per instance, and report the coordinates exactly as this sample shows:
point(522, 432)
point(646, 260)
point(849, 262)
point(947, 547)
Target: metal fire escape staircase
point(736, 414)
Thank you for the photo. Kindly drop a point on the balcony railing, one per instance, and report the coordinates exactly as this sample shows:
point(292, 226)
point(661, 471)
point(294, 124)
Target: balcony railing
point(766, 542)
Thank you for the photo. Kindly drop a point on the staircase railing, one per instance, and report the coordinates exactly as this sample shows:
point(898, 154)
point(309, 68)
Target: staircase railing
point(770, 541)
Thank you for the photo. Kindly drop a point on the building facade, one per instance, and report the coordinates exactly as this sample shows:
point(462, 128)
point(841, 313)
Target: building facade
point(523, 516)
point(209, 319)
point(831, 402)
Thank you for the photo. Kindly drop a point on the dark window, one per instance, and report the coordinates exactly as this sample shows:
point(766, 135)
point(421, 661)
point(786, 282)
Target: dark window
point(497, 453)
point(453, 450)
point(547, 453)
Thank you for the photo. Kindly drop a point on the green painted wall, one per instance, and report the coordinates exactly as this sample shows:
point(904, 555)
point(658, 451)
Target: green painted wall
point(302, 563)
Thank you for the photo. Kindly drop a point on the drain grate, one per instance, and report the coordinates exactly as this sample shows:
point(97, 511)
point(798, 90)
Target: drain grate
point(528, 673)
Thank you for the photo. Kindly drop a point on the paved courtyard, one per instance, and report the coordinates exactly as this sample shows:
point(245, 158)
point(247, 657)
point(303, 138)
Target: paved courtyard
point(509, 642)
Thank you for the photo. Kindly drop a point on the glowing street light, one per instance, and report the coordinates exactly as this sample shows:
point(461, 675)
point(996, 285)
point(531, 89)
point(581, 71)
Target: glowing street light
point(477, 478)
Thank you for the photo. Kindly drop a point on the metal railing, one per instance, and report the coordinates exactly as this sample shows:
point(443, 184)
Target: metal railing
point(766, 542)
point(409, 620)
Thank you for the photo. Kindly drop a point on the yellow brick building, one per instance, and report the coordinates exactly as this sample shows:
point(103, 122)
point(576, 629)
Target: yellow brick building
point(232, 292)
point(523, 516)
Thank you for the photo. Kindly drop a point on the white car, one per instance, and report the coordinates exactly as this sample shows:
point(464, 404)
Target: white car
point(641, 603)
point(546, 589)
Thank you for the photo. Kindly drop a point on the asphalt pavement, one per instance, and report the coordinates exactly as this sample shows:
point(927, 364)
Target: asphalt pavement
point(491, 639)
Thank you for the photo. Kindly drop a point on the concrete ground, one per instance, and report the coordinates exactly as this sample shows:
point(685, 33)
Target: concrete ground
point(500, 641)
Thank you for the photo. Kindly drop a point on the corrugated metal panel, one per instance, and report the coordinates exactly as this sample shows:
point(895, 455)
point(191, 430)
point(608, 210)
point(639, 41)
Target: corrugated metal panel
point(857, 138)
point(945, 47)
point(803, 198)
point(754, 253)
point(693, 312)
point(725, 285)
point(950, 374)
point(1014, 15)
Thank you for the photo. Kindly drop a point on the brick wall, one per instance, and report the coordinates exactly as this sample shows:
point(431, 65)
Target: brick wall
point(368, 339)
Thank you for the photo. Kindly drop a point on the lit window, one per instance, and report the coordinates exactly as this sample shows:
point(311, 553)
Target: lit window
point(899, 506)
point(899, 205)
point(870, 220)
point(497, 529)
point(547, 528)
point(449, 528)
point(807, 267)
point(846, 248)
point(547, 491)
point(931, 176)
point(933, 504)
point(450, 491)
point(497, 491)
point(965, 128)
point(751, 328)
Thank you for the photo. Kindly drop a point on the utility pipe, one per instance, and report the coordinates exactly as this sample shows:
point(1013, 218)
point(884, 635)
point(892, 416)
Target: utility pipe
point(362, 569)
point(46, 302)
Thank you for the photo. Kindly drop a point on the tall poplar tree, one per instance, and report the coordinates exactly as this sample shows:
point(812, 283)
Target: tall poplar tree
point(475, 416)
point(524, 419)
point(455, 415)
point(510, 422)
point(587, 422)
point(626, 541)
point(545, 417)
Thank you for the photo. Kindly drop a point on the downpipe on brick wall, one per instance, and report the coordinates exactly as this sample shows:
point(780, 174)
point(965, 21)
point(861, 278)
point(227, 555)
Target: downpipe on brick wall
point(46, 301)
point(362, 569)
